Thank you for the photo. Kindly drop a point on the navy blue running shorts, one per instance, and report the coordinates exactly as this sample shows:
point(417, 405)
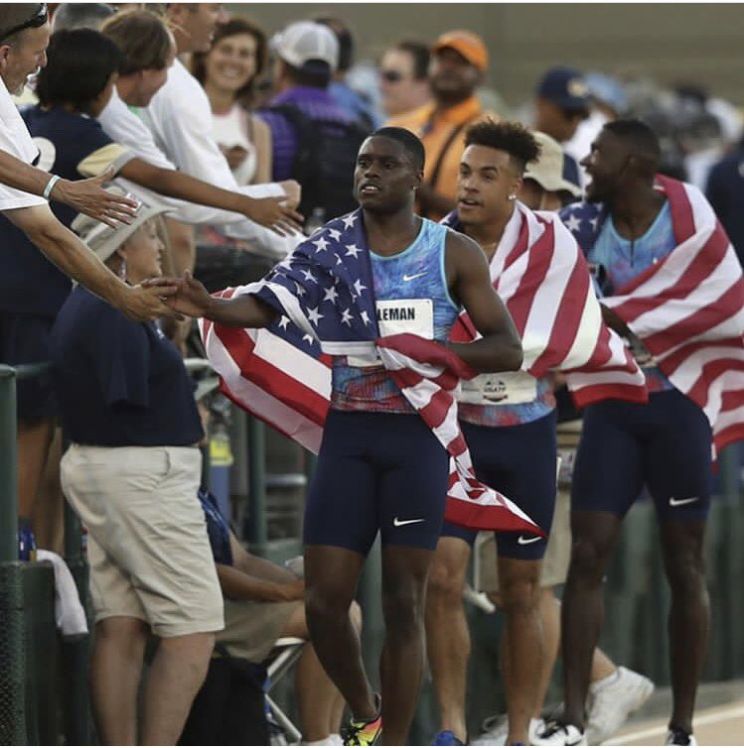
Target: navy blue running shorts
point(383, 472)
point(520, 462)
point(664, 445)
point(24, 339)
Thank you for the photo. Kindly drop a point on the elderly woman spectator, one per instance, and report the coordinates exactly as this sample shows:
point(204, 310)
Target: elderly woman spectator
point(132, 473)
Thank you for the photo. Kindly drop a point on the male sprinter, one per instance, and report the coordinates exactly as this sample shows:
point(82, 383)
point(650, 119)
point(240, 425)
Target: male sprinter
point(669, 277)
point(615, 692)
point(380, 468)
point(509, 423)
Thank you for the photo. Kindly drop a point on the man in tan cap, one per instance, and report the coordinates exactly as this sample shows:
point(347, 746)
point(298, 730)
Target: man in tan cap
point(544, 186)
point(458, 63)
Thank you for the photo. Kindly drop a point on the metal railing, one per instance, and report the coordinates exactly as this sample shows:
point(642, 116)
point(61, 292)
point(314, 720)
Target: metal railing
point(13, 681)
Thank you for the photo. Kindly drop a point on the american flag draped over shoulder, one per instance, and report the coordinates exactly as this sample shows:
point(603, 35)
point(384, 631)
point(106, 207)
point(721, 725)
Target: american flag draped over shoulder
point(688, 309)
point(544, 281)
point(324, 294)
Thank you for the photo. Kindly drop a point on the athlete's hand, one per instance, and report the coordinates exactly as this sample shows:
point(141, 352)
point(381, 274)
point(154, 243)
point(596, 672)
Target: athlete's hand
point(187, 297)
point(143, 303)
point(293, 192)
point(274, 213)
point(88, 196)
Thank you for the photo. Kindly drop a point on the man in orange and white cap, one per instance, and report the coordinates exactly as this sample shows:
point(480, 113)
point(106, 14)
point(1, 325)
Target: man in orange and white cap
point(459, 61)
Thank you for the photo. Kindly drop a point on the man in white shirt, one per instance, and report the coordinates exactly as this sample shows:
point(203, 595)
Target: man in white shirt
point(24, 36)
point(174, 131)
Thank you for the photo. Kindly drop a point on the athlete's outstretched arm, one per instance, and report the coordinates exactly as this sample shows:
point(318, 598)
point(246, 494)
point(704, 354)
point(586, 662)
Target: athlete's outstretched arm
point(500, 348)
point(194, 300)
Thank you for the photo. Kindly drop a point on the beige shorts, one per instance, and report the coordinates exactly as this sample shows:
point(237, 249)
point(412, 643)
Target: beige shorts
point(558, 551)
point(148, 548)
point(252, 627)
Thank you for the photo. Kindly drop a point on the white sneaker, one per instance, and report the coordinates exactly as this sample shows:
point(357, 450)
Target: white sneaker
point(680, 737)
point(556, 733)
point(610, 704)
point(537, 727)
point(495, 731)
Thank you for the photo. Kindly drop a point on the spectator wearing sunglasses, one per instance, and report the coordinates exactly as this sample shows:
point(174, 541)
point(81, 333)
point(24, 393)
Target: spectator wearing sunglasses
point(459, 61)
point(404, 78)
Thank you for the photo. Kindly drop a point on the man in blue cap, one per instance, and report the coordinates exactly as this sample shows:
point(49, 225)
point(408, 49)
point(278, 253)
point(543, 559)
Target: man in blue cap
point(562, 103)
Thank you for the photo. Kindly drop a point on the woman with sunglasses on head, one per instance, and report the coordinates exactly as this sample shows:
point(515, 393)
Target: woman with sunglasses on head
point(229, 72)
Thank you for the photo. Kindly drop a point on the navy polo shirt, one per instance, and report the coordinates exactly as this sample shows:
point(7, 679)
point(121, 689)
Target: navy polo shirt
point(73, 146)
point(119, 383)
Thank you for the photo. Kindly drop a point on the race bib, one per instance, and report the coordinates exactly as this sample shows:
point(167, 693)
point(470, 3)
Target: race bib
point(502, 388)
point(395, 316)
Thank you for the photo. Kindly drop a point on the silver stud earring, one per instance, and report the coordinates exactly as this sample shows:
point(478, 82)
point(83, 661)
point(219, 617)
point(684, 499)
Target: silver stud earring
point(512, 197)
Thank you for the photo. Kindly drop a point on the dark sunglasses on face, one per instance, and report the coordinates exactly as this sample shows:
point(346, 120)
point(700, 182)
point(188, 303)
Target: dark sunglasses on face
point(38, 19)
point(391, 76)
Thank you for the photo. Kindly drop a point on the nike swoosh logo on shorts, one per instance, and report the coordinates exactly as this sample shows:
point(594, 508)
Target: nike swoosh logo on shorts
point(400, 522)
point(680, 502)
point(407, 278)
point(526, 541)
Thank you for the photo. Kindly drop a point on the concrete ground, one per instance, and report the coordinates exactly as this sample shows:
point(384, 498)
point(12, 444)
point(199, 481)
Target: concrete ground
point(719, 718)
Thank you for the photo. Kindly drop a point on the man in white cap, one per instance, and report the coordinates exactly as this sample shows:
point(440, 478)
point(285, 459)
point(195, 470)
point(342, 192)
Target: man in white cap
point(314, 140)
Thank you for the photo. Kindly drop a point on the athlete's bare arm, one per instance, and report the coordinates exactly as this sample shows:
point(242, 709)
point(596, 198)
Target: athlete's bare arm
point(194, 300)
point(500, 348)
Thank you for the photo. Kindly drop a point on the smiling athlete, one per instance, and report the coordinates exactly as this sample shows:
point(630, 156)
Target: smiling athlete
point(673, 287)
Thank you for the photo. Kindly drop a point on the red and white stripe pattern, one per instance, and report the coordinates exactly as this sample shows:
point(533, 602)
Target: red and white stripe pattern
point(270, 378)
point(543, 279)
point(688, 310)
point(429, 374)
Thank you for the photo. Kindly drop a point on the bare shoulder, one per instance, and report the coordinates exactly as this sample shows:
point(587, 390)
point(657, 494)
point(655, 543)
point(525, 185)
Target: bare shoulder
point(461, 248)
point(260, 128)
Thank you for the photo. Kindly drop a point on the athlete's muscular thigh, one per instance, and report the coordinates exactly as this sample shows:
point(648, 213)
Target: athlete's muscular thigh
point(412, 487)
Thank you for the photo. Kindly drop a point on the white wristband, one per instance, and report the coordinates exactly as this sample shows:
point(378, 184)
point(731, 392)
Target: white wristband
point(50, 186)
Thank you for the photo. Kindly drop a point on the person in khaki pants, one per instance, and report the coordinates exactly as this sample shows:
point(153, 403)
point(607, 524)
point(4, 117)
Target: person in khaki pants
point(132, 474)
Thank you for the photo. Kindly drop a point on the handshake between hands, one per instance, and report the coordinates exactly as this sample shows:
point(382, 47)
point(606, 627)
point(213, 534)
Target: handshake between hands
point(183, 296)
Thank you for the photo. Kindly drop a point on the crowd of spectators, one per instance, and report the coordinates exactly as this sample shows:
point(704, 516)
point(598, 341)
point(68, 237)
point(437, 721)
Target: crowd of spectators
point(226, 145)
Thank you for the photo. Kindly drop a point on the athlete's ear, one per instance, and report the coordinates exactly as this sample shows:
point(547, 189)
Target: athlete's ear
point(516, 188)
point(419, 178)
point(4, 52)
